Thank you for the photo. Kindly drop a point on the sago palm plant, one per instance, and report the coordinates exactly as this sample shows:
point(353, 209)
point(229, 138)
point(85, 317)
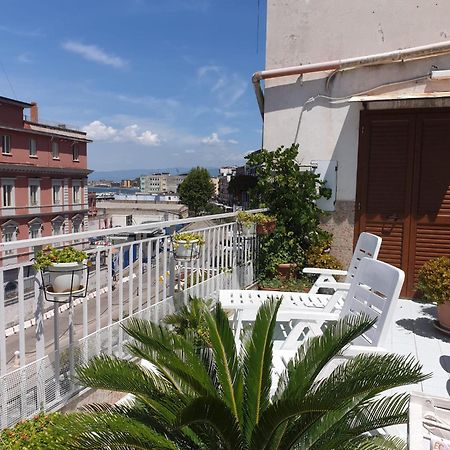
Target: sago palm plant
point(210, 397)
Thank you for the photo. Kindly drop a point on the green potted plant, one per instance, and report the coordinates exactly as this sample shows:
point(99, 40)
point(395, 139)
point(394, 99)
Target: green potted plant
point(186, 246)
point(65, 266)
point(433, 282)
point(247, 223)
point(265, 224)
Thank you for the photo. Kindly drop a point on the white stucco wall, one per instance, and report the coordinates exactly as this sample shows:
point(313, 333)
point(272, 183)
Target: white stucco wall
point(307, 31)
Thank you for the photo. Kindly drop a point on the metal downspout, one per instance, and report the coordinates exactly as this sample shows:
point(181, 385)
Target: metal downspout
point(348, 63)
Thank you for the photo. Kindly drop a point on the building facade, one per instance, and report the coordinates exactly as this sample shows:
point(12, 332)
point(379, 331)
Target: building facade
point(43, 177)
point(375, 107)
point(160, 182)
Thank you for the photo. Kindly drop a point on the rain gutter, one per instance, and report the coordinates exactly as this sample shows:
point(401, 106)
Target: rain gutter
point(423, 51)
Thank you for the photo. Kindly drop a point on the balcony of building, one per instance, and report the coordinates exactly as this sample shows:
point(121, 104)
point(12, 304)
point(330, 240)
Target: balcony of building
point(132, 273)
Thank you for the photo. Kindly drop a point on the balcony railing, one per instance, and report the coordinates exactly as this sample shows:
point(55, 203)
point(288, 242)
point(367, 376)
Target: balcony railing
point(41, 342)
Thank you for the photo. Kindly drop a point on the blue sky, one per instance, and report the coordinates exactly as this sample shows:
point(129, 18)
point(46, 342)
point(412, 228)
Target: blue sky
point(156, 83)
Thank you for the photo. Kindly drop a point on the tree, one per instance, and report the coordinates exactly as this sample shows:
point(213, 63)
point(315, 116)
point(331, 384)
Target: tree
point(196, 190)
point(211, 397)
point(290, 193)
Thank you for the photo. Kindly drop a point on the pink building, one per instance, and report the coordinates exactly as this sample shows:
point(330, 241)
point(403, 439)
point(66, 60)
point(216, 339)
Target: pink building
point(43, 177)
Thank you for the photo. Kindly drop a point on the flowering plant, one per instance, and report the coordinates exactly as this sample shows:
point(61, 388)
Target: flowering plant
point(51, 255)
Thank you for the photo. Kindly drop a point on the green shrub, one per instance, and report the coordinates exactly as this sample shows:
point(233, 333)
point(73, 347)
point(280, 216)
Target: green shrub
point(302, 284)
point(50, 255)
point(38, 433)
point(434, 280)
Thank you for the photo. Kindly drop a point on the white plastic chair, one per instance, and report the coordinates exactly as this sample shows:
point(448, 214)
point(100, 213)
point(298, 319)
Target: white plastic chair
point(368, 246)
point(374, 291)
point(428, 421)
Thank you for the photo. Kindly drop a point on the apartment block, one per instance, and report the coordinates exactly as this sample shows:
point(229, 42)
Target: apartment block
point(43, 177)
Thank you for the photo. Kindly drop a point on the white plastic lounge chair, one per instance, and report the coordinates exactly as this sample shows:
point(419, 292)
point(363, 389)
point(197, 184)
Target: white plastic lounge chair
point(428, 422)
point(374, 291)
point(368, 246)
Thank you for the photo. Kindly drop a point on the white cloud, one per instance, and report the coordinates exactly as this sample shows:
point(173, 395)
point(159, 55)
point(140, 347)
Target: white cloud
point(94, 53)
point(228, 87)
point(24, 58)
point(97, 130)
point(214, 139)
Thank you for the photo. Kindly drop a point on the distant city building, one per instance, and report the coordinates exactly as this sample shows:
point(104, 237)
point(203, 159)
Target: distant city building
point(215, 182)
point(126, 183)
point(160, 182)
point(226, 173)
point(43, 177)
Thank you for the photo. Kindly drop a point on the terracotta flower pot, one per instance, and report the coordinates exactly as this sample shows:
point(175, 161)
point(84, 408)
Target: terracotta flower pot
point(264, 228)
point(287, 271)
point(443, 313)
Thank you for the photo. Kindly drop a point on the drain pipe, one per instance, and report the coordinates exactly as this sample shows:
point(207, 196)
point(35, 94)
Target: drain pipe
point(423, 51)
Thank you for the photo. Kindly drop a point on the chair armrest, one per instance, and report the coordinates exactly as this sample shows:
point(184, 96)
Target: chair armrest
point(318, 271)
point(305, 315)
point(331, 285)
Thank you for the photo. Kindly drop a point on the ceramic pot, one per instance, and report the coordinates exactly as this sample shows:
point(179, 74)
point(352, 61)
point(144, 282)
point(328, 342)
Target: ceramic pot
point(287, 271)
point(248, 231)
point(186, 250)
point(66, 277)
point(443, 314)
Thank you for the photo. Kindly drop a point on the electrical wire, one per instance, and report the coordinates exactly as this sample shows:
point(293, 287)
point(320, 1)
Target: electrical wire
point(345, 99)
point(8, 80)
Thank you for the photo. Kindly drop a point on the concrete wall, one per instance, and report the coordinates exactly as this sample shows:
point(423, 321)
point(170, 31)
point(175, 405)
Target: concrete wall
point(305, 31)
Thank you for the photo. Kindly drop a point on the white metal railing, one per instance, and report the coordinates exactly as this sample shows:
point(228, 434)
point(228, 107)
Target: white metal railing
point(42, 342)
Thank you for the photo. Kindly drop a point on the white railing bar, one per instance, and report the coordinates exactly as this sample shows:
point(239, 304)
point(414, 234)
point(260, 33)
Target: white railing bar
point(5, 246)
point(130, 279)
point(110, 303)
point(141, 268)
point(120, 262)
point(165, 277)
point(149, 272)
point(157, 259)
point(21, 298)
point(98, 307)
point(2, 325)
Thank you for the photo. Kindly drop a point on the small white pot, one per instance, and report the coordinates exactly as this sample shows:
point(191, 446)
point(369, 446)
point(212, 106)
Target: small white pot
point(186, 250)
point(248, 231)
point(61, 276)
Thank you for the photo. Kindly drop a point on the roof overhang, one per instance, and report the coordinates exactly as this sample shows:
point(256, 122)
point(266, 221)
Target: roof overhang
point(422, 89)
point(11, 101)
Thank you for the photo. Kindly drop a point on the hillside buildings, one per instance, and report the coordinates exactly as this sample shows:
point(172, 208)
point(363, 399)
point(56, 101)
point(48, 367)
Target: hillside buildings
point(43, 177)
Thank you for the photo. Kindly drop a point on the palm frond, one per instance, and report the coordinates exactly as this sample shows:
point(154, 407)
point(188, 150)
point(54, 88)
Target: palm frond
point(215, 412)
point(375, 443)
point(176, 357)
point(113, 431)
point(111, 373)
point(314, 354)
point(257, 364)
point(226, 360)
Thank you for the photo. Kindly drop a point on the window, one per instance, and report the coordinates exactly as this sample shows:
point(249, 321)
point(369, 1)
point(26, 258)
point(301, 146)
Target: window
point(76, 227)
point(76, 194)
point(56, 193)
point(58, 226)
point(35, 228)
point(7, 193)
point(6, 145)
point(9, 231)
point(75, 152)
point(33, 147)
point(34, 192)
point(55, 150)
